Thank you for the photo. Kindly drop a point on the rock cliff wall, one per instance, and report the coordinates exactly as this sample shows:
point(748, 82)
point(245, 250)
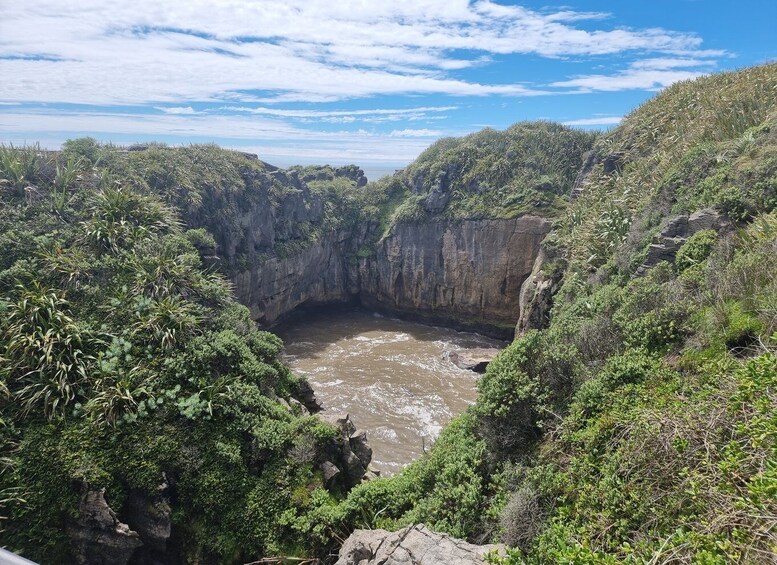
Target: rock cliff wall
point(275, 286)
point(469, 272)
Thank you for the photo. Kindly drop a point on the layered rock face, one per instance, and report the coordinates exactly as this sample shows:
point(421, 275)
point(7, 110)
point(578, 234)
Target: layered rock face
point(469, 271)
point(278, 285)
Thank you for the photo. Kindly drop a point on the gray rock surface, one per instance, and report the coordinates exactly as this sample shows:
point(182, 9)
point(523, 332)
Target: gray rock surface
point(98, 537)
point(413, 545)
point(468, 271)
point(676, 231)
point(536, 297)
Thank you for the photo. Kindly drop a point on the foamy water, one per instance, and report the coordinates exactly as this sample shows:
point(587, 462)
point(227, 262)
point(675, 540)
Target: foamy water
point(391, 376)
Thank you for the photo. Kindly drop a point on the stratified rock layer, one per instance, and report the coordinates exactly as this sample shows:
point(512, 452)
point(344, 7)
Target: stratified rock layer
point(467, 272)
point(470, 271)
point(413, 545)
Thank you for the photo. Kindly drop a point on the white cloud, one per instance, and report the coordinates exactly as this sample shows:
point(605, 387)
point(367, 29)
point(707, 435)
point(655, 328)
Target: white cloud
point(645, 74)
point(600, 121)
point(120, 52)
point(415, 133)
point(177, 110)
point(271, 138)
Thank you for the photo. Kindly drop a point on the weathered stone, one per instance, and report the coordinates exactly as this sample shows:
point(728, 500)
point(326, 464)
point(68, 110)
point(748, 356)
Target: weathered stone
point(330, 470)
point(536, 297)
point(307, 396)
point(297, 407)
point(473, 359)
point(675, 232)
point(361, 447)
point(150, 517)
point(340, 420)
point(413, 545)
point(470, 270)
point(350, 453)
point(97, 536)
point(354, 469)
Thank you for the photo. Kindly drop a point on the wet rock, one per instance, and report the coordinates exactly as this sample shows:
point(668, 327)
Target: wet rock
point(97, 536)
point(413, 545)
point(473, 359)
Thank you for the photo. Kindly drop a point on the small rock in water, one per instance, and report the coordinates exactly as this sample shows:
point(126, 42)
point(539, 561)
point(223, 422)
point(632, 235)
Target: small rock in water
point(473, 359)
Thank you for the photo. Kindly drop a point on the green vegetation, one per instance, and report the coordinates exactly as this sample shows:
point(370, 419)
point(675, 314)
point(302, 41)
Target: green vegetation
point(639, 426)
point(124, 364)
point(527, 168)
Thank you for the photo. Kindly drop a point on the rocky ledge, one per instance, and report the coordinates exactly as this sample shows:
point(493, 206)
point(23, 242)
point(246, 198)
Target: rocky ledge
point(472, 359)
point(413, 545)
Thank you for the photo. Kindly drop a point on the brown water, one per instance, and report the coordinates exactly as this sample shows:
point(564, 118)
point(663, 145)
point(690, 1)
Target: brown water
point(391, 376)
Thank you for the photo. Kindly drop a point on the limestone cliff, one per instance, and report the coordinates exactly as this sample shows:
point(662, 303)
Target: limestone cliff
point(469, 271)
point(275, 286)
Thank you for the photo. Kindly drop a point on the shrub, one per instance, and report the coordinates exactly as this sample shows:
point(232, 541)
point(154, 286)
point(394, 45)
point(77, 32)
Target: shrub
point(521, 518)
point(695, 250)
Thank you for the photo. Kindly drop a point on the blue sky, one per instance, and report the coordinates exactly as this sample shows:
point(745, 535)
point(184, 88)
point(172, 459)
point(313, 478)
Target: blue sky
point(370, 82)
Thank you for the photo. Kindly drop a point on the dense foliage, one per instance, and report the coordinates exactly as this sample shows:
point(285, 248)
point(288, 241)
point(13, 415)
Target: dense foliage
point(640, 425)
point(527, 168)
point(125, 365)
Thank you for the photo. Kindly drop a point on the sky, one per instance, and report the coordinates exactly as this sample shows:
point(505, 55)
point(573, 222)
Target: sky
point(371, 82)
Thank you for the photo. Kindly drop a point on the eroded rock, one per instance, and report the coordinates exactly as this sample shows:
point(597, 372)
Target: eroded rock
point(348, 459)
point(536, 298)
point(676, 231)
point(413, 545)
point(473, 359)
point(97, 536)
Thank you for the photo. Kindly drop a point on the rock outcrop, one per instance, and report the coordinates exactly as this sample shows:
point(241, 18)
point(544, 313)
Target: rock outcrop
point(536, 297)
point(277, 285)
point(473, 359)
point(675, 232)
point(348, 460)
point(413, 545)
point(97, 536)
point(469, 272)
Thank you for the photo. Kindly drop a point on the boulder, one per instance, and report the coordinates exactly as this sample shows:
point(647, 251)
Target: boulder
point(361, 446)
point(413, 545)
point(473, 359)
